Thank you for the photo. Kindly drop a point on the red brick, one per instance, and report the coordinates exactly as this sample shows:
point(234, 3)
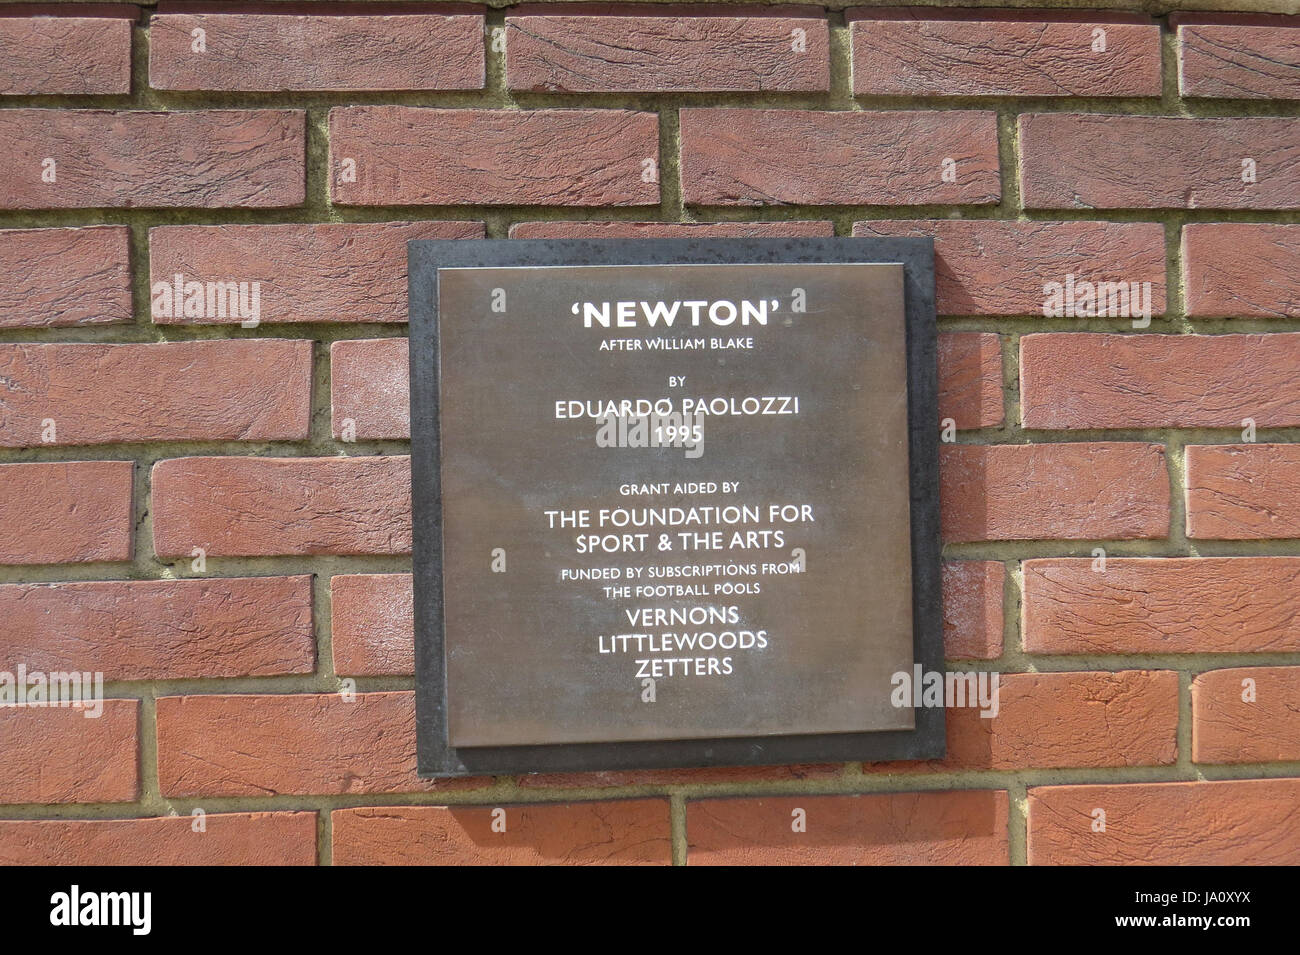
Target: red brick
point(1162, 605)
point(65, 512)
point(551, 157)
point(290, 744)
point(728, 775)
point(1243, 492)
point(370, 387)
point(970, 379)
point(372, 626)
point(952, 828)
point(173, 391)
point(1239, 62)
point(1091, 161)
point(1241, 822)
point(52, 277)
point(264, 507)
point(619, 229)
point(235, 838)
point(62, 755)
point(750, 157)
point(71, 56)
point(1064, 721)
point(1082, 381)
point(600, 54)
point(1001, 267)
point(161, 629)
point(972, 609)
point(1229, 729)
point(319, 272)
point(343, 53)
point(623, 832)
point(1085, 491)
point(1245, 269)
point(1003, 58)
point(207, 159)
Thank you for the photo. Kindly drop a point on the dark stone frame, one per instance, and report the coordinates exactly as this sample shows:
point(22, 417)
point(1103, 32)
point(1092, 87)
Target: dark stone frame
point(436, 757)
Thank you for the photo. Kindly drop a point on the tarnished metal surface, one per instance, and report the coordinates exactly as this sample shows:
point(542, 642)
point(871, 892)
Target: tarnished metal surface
point(598, 593)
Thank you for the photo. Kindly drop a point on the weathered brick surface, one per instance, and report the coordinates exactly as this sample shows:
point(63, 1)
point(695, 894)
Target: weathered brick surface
point(255, 52)
point(177, 391)
point(1162, 605)
point(752, 157)
point(1004, 58)
point(1243, 492)
point(1242, 822)
point(206, 159)
point(227, 839)
point(45, 56)
point(1231, 61)
point(81, 758)
point(1078, 491)
point(1062, 721)
point(1081, 381)
point(322, 272)
point(300, 151)
point(972, 609)
point(627, 832)
point(160, 629)
point(593, 54)
point(253, 507)
point(545, 157)
point(372, 626)
point(1241, 269)
point(1092, 161)
point(955, 828)
point(291, 744)
point(1246, 715)
point(370, 393)
point(970, 379)
point(995, 267)
point(54, 277)
point(65, 512)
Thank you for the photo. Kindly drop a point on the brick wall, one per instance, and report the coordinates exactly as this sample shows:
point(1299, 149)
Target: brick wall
point(216, 517)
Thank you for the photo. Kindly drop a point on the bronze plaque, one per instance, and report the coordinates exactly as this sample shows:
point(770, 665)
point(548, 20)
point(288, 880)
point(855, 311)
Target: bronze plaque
point(675, 501)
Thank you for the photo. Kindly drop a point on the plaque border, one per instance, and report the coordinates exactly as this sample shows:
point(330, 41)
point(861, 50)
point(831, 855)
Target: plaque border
point(436, 757)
